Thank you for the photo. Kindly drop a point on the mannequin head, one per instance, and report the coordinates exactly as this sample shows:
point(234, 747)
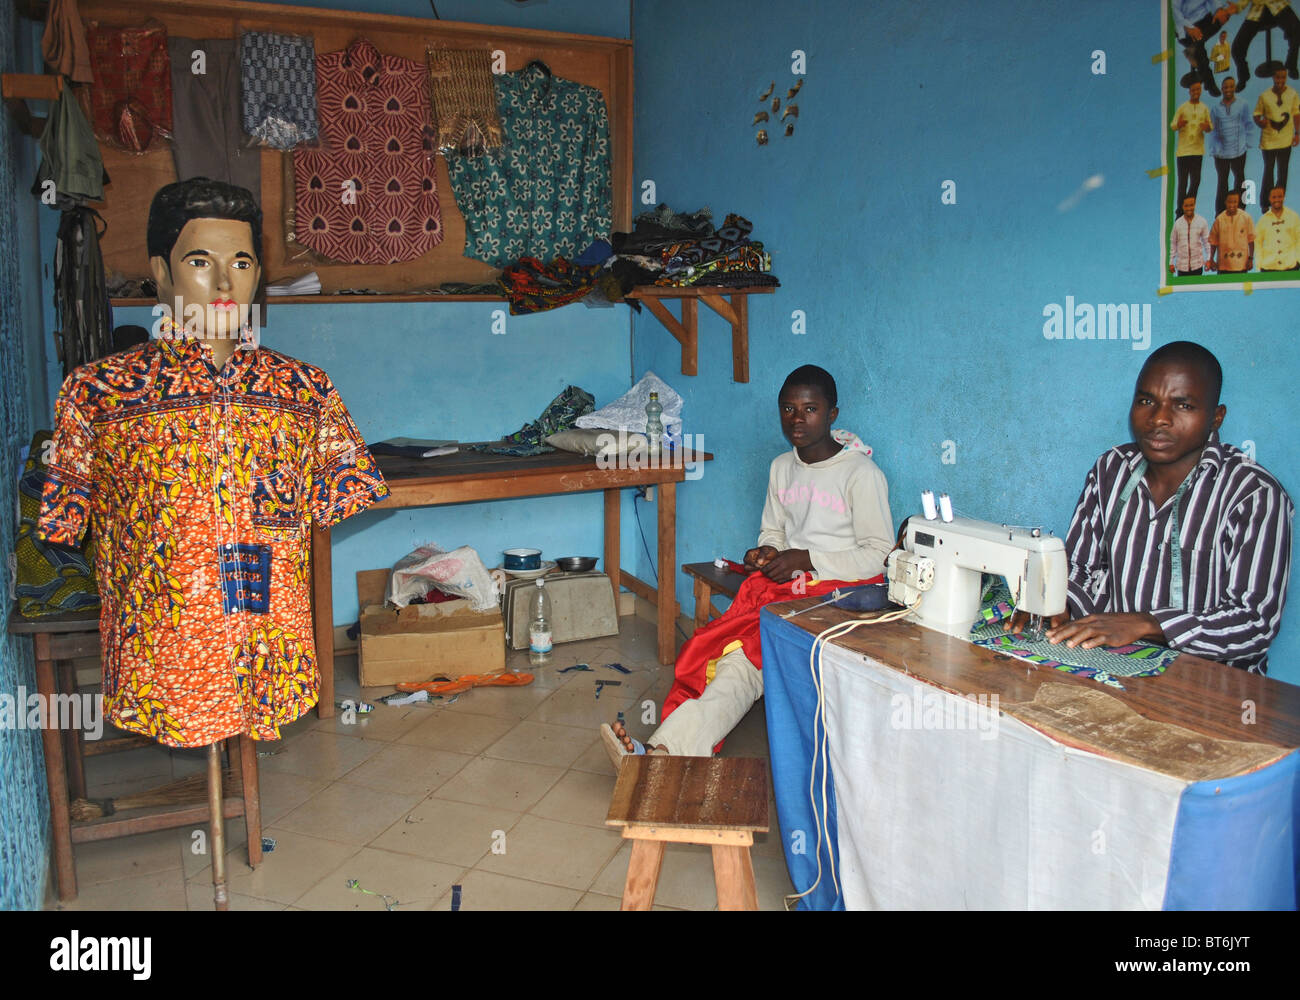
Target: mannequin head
point(205, 243)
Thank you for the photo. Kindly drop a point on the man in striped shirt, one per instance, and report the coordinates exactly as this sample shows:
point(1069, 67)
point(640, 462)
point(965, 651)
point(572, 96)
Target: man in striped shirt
point(1179, 538)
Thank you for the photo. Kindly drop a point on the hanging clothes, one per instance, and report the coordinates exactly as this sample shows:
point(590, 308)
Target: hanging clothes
point(131, 99)
point(278, 79)
point(81, 304)
point(207, 140)
point(546, 193)
point(369, 195)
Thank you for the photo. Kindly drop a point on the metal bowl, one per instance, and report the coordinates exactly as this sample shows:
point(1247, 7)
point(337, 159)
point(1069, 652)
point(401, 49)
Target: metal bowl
point(576, 564)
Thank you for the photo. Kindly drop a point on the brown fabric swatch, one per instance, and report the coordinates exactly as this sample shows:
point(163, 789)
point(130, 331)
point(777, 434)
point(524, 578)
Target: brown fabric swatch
point(464, 100)
point(64, 43)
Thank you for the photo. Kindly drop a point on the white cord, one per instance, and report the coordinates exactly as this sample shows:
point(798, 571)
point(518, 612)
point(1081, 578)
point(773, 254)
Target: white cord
point(815, 669)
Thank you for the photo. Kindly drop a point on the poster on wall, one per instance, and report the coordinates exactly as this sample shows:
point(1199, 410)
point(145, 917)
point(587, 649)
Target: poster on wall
point(1231, 110)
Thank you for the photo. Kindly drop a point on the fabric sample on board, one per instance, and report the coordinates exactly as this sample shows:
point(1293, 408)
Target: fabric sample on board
point(369, 195)
point(546, 193)
point(278, 78)
point(131, 99)
point(463, 100)
point(204, 486)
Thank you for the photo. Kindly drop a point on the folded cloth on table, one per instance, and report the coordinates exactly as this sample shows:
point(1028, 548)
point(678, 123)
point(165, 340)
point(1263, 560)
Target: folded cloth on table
point(559, 415)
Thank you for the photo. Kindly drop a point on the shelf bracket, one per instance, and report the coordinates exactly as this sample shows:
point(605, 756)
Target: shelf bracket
point(18, 88)
point(687, 330)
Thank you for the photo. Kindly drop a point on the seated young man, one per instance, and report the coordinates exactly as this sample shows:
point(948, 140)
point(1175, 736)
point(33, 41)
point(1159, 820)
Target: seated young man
point(1178, 538)
point(826, 517)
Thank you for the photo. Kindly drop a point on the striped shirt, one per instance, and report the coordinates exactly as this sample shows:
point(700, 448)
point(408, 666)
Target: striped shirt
point(1235, 535)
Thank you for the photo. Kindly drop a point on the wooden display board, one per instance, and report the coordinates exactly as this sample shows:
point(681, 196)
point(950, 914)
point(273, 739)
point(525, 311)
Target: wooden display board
point(604, 63)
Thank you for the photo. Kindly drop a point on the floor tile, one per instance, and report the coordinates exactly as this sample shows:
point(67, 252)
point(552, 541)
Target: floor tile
point(348, 813)
point(126, 857)
point(286, 873)
point(409, 883)
point(156, 891)
point(541, 743)
point(459, 731)
point(504, 784)
point(457, 833)
point(408, 770)
point(320, 755)
point(483, 890)
point(578, 797)
point(557, 853)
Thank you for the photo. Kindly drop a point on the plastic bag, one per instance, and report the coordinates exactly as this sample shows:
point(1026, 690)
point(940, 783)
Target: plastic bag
point(460, 572)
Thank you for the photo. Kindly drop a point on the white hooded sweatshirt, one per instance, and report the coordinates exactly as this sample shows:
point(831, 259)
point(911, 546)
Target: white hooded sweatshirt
point(837, 509)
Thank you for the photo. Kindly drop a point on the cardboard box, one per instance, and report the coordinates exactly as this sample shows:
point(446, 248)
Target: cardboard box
point(423, 641)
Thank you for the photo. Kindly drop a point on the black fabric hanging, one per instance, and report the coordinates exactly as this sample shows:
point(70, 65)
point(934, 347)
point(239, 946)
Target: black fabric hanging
point(81, 303)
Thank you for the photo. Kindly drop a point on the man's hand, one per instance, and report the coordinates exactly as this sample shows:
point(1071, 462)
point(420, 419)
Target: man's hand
point(1194, 33)
point(1018, 621)
point(759, 557)
point(1091, 631)
point(786, 565)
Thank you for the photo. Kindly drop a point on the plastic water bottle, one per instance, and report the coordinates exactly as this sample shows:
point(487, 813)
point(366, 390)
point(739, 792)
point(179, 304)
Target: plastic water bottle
point(654, 427)
point(539, 627)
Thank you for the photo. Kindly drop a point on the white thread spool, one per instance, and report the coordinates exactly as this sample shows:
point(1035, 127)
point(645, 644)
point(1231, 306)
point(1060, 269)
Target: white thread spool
point(927, 505)
point(945, 507)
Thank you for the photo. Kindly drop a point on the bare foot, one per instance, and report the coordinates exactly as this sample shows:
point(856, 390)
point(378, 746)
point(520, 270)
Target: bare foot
point(626, 740)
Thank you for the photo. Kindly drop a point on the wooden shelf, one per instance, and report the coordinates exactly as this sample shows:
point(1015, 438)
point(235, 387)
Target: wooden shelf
point(732, 304)
point(19, 88)
point(299, 300)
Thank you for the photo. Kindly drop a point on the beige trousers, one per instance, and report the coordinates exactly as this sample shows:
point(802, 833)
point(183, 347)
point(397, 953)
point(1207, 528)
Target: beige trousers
point(696, 726)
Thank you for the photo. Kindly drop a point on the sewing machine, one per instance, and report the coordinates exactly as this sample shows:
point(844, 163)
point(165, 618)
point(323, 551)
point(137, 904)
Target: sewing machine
point(941, 562)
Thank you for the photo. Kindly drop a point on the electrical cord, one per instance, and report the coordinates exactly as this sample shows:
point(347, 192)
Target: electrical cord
point(815, 669)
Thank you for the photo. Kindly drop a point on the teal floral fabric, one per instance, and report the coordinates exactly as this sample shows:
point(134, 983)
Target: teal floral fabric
point(546, 192)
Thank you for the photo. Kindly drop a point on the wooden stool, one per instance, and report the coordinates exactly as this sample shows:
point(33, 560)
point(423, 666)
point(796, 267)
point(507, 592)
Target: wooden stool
point(59, 643)
point(710, 580)
point(716, 801)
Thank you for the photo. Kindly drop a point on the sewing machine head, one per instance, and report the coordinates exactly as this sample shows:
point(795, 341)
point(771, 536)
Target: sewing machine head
point(942, 561)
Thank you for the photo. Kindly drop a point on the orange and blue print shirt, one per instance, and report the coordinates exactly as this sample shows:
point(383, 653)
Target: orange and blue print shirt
point(203, 486)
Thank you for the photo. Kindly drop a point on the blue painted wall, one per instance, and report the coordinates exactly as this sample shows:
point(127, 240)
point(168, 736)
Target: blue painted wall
point(931, 315)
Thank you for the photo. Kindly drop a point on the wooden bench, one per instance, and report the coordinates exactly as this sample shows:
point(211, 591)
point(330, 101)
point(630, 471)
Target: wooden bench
point(60, 643)
point(720, 802)
point(710, 580)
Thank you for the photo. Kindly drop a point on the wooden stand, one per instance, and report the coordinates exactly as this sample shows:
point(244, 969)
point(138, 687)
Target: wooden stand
point(716, 801)
point(58, 642)
point(734, 309)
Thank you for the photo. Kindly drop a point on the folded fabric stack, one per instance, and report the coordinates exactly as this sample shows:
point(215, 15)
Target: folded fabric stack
point(675, 249)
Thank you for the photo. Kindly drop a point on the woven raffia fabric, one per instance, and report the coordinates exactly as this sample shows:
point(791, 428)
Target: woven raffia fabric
point(463, 102)
point(24, 806)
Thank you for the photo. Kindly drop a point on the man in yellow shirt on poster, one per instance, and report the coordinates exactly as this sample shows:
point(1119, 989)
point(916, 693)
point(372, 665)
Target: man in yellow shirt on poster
point(1191, 122)
point(1275, 114)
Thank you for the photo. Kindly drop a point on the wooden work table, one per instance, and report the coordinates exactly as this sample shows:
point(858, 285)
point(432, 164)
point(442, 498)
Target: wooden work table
point(472, 477)
point(1197, 694)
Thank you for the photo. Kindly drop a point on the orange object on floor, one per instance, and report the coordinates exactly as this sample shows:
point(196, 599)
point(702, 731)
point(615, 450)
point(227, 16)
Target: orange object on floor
point(468, 681)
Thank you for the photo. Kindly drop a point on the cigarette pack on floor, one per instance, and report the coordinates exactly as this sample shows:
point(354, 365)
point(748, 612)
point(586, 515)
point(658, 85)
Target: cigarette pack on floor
point(422, 641)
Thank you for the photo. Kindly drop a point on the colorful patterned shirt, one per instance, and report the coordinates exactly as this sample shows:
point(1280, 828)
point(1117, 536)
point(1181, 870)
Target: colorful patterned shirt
point(203, 486)
point(546, 192)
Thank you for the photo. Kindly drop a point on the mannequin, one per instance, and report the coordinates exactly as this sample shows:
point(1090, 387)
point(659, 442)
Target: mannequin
point(205, 459)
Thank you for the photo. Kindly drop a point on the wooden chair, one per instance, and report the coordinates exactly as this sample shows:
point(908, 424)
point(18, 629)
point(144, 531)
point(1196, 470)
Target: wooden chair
point(710, 580)
point(716, 801)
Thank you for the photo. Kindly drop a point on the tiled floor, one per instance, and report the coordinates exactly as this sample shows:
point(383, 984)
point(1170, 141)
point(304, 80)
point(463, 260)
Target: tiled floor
point(503, 792)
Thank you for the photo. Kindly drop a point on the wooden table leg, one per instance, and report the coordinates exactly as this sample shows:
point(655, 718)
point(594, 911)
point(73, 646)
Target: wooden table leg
point(703, 601)
point(56, 775)
point(322, 604)
point(243, 759)
point(667, 572)
point(643, 874)
point(733, 871)
point(217, 828)
point(613, 540)
point(72, 738)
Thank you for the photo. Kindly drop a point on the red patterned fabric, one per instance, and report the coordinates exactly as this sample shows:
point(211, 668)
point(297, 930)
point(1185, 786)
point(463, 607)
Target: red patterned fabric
point(739, 622)
point(131, 98)
point(368, 195)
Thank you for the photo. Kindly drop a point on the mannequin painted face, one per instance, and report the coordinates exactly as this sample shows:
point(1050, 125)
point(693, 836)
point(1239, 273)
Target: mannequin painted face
point(211, 280)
